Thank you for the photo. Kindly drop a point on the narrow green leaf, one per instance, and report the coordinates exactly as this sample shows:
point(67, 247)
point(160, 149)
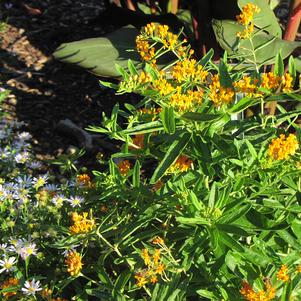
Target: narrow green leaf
point(108, 84)
point(212, 195)
point(132, 68)
point(279, 66)
point(200, 116)
point(122, 71)
point(121, 281)
point(136, 174)
point(171, 155)
point(206, 58)
point(230, 242)
point(225, 78)
point(193, 221)
point(168, 120)
point(243, 104)
point(292, 67)
point(251, 149)
point(149, 127)
point(195, 201)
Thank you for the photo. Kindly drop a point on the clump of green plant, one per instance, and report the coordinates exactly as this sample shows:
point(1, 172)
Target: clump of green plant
point(202, 202)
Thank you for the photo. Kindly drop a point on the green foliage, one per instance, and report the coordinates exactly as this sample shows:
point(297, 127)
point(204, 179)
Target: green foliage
point(99, 55)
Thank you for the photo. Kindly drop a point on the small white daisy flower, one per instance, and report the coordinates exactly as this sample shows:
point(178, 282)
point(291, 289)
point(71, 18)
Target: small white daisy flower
point(31, 287)
point(76, 201)
point(7, 264)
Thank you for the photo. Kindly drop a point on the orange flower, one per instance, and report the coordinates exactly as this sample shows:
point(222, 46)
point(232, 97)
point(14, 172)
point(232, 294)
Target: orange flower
point(81, 224)
point(264, 295)
point(183, 163)
point(158, 241)
point(8, 284)
point(283, 274)
point(138, 141)
point(281, 148)
point(124, 166)
point(146, 257)
point(83, 180)
point(218, 94)
point(74, 263)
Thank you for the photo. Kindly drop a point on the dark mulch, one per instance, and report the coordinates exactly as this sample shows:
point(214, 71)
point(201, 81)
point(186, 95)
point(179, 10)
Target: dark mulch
point(43, 90)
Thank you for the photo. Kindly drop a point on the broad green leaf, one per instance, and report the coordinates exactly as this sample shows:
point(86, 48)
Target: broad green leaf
point(243, 104)
point(265, 18)
point(226, 34)
point(171, 155)
point(99, 55)
point(168, 120)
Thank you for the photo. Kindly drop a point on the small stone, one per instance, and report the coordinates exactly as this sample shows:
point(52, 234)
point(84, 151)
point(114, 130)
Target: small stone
point(71, 150)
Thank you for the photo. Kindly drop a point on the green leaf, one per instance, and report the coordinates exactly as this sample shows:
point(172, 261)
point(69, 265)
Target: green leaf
point(234, 229)
point(193, 221)
point(265, 18)
point(279, 66)
point(120, 283)
point(108, 84)
point(200, 117)
point(136, 174)
point(99, 55)
point(251, 149)
point(231, 242)
point(132, 68)
point(168, 120)
point(195, 201)
point(171, 155)
point(207, 57)
point(292, 67)
point(226, 34)
point(225, 78)
point(149, 127)
point(121, 71)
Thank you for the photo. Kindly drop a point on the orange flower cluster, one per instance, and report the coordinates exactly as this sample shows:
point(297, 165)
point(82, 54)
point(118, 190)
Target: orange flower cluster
point(168, 39)
point(281, 148)
point(187, 69)
point(186, 101)
point(246, 19)
point(124, 166)
point(8, 284)
point(146, 52)
point(270, 81)
point(158, 241)
point(218, 94)
point(74, 263)
point(84, 180)
point(182, 164)
point(135, 81)
point(247, 85)
point(264, 295)
point(151, 111)
point(138, 140)
point(287, 82)
point(283, 274)
point(81, 224)
point(163, 86)
point(154, 268)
